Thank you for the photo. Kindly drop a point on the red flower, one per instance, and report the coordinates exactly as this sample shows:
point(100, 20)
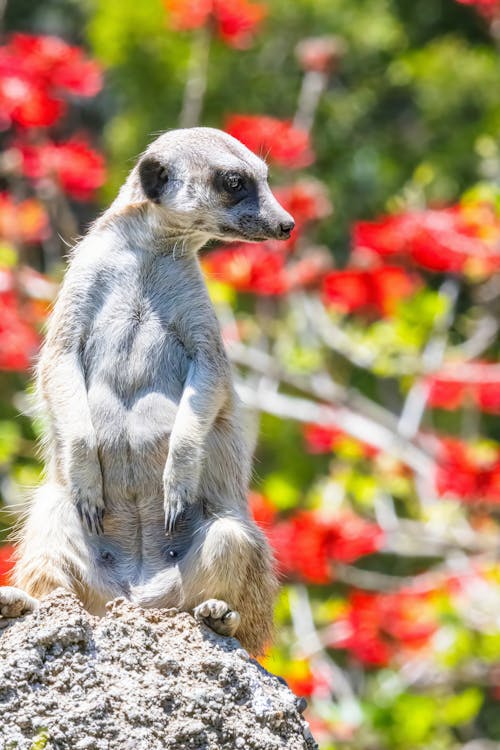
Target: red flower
point(57, 64)
point(261, 269)
point(248, 268)
point(77, 167)
point(307, 545)
point(18, 340)
point(34, 71)
point(236, 20)
point(24, 102)
point(303, 684)
point(306, 200)
point(6, 563)
point(461, 239)
point(320, 439)
point(377, 290)
point(25, 221)
point(468, 472)
point(347, 290)
point(262, 509)
point(378, 626)
point(475, 382)
point(271, 138)
point(387, 237)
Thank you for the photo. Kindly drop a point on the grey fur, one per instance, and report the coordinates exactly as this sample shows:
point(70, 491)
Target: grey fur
point(144, 429)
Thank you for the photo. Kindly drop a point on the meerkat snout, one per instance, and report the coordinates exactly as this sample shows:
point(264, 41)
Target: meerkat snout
point(206, 182)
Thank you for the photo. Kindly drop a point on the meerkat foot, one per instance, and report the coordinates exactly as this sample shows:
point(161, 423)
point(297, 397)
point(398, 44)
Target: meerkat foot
point(14, 603)
point(91, 512)
point(218, 616)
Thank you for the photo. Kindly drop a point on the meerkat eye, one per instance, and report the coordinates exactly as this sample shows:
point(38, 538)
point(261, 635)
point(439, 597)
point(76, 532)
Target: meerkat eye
point(233, 182)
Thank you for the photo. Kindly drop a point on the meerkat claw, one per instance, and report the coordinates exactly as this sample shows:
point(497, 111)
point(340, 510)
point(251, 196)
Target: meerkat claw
point(175, 508)
point(172, 519)
point(92, 517)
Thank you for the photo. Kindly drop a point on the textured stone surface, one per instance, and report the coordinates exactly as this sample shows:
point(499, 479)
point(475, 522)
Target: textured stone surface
point(136, 680)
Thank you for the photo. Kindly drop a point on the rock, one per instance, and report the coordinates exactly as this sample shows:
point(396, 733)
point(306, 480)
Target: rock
point(136, 680)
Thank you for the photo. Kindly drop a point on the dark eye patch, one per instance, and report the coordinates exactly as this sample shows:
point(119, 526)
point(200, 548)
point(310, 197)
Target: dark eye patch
point(234, 185)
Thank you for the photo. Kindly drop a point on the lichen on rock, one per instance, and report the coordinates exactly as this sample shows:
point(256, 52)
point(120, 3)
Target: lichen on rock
point(136, 680)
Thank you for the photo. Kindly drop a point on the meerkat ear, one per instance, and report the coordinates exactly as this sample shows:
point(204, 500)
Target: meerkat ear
point(154, 177)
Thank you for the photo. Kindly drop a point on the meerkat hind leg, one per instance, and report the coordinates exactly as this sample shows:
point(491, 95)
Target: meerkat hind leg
point(218, 615)
point(14, 603)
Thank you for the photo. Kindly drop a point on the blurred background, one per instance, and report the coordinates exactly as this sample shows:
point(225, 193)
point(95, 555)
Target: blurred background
point(366, 344)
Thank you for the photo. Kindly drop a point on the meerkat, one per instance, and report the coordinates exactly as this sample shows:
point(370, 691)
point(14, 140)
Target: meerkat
point(147, 467)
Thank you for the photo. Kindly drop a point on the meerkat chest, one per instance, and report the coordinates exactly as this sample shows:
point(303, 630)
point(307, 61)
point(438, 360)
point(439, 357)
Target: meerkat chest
point(136, 357)
point(140, 332)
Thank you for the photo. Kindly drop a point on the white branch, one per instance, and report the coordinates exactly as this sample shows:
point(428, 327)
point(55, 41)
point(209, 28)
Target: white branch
point(354, 424)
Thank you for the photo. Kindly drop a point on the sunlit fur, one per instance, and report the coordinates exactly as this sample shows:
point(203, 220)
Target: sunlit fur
point(143, 423)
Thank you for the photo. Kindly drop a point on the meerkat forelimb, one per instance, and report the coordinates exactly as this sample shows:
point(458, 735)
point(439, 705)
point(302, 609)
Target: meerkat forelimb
point(147, 464)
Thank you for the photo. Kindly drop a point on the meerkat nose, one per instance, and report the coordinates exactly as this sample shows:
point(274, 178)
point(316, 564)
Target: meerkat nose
point(285, 229)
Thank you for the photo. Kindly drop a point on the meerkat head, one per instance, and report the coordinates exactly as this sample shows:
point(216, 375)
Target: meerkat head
point(206, 182)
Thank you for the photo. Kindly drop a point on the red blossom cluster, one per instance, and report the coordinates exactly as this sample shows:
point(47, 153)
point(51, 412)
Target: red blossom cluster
point(466, 383)
point(6, 563)
point(18, 337)
point(320, 439)
point(378, 628)
point(306, 200)
point(25, 296)
point(308, 544)
point(301, 679)
point(236, 21)
point(22, 221)
point(262, 269)
point(77, 167)
point(460, 239)
point(273, 139)
point(36, 72)
point(377, 291)
point(469, 472)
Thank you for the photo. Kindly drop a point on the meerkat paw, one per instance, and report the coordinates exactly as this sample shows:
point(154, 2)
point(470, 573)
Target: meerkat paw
point(218, 616)
point(90, 508)
point(14, 603)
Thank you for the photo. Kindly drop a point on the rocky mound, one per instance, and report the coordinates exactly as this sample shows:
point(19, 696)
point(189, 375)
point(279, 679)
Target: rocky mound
point(136, 680)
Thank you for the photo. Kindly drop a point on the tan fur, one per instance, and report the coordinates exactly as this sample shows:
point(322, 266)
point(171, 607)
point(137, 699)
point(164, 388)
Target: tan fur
point(147, 466)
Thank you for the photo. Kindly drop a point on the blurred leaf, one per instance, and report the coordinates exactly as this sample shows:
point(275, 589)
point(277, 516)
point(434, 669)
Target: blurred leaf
point(461, 708)
point(10, 440)
point(8, 255)
point(281, 491)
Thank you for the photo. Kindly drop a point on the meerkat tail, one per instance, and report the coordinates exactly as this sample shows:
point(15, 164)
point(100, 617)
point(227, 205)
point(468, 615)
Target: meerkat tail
point(50, 553)
point(234, 564)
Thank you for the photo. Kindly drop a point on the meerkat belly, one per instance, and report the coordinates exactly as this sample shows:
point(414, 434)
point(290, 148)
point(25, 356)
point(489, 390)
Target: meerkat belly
point(135, 369)
point(136, 559)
